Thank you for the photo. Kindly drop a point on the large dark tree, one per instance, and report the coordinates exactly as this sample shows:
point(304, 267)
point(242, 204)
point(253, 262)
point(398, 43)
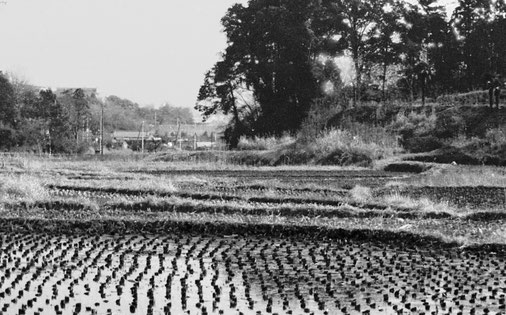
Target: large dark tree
point(480, 25)
point(7, 114)
point(422, 32)
point(362, 23)
point(385, 44)
point(221, 92)
point(443, 54)
point(272, 48)
point(57, 122)
point(7, 102)
point(77, 108)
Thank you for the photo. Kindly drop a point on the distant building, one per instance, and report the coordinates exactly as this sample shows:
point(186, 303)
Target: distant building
point(189, 130)
point(134, 139)
point(125, 136)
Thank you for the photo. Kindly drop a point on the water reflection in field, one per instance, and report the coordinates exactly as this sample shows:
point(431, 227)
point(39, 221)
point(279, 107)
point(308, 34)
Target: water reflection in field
point(208, 274)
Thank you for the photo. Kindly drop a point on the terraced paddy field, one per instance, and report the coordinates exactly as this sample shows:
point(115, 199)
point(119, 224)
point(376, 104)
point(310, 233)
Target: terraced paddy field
point(150, 238)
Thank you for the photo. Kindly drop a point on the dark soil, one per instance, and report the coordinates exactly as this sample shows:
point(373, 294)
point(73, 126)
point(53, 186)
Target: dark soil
point(415, 168)
point(100, 227)
point(335, 178)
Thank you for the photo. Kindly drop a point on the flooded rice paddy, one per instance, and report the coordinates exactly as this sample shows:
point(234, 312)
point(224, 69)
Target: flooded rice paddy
point(210, 274)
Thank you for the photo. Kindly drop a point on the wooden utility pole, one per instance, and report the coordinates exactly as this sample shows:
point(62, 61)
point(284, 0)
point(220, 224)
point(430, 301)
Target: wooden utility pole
point(178, 135)
point(142, 137)
point(102, 129)
point(156, 129)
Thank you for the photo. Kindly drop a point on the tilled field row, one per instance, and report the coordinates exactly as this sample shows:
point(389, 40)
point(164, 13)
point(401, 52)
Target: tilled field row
point(211, 274)
point(185, 203)
point(213, 226)
point(335, 200)
point(276, 173)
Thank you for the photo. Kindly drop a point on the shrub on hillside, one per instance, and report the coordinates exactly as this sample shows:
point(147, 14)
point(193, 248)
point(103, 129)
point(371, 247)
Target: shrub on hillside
point(318, 118)
point(358, 146)
point(422, 144)
point(416, 131)
point(346, 158)
point(250, 158)
point(449, 124)
point(413, 124)
point(496, 136)
point(295, 154)
point(423, 132)
point(464, 99)
point(367, 114)
point(8, 138)
point(334, 143)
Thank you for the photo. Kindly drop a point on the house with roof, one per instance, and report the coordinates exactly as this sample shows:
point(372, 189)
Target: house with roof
point(202, 131)
point(133, 139)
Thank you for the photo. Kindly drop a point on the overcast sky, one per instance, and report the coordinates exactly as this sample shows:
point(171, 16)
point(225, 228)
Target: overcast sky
point(149, 51)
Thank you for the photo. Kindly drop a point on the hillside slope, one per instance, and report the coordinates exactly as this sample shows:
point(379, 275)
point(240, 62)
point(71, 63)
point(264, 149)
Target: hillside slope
point(470, 134)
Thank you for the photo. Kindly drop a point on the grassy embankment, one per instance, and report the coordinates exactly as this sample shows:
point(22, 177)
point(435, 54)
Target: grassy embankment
point(58, 195)
point(367, 135)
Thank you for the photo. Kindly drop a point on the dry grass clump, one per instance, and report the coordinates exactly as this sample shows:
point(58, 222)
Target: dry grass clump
point(21, 187)
point(154, 184)
point(361, 194)
point(23, 162)
point(191, 179)
point(445, 176)
point(374, 143)
point(364, 195)
point(422, 204)
point(499, 236)
point(264, 143)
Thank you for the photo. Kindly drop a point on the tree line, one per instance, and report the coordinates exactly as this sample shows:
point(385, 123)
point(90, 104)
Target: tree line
point(279, 63)
point(68, 121)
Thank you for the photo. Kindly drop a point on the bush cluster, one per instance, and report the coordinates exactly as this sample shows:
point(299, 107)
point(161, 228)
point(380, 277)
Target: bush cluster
point(464, 99)
point(416, 131)
point(359, 145)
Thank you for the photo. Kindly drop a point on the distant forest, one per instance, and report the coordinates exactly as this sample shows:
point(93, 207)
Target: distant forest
point(279, 65)
point(123, 114)
point(68, 120)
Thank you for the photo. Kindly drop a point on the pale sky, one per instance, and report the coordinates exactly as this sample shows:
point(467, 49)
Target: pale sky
point(149, 51)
